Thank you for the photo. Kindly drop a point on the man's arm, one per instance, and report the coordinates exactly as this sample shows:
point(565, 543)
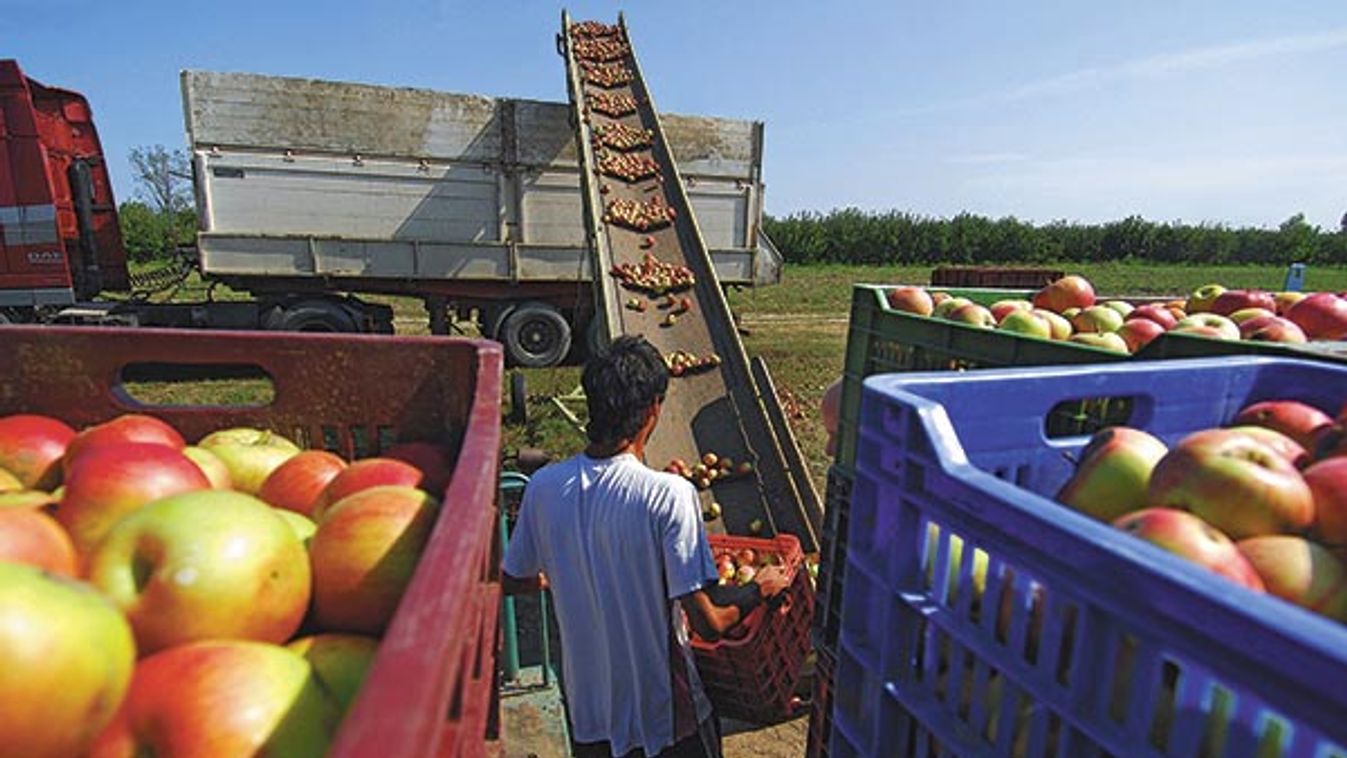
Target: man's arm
point(716, 609)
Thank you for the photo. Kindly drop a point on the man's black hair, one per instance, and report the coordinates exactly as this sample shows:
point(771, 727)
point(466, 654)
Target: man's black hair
point(621, 383)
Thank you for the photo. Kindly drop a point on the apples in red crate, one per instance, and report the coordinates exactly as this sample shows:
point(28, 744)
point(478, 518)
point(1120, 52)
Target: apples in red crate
point(109, 481)
point(66, 657)
point(222, 698)
point(362, 475)
point(204, 565)
point(299, 481)
point(364, 555)
point(131, 427)
point(340, 661)
point(211, 465)
point(251, 455)
point(32, 447)
point(434, 462)
point(27, 535)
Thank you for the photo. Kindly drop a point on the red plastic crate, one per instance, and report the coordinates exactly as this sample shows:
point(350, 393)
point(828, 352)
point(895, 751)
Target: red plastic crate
point(753, 677)
point(355, 395)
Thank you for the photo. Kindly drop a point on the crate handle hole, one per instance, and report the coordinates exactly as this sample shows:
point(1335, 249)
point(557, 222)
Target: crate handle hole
point(1085, 416)
point(168, 385)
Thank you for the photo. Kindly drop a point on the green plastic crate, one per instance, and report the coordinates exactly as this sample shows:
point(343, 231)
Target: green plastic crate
point(883, 340)
point(1169, 345)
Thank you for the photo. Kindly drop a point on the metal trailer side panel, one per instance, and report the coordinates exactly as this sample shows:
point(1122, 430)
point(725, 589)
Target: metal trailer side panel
point(440, 183)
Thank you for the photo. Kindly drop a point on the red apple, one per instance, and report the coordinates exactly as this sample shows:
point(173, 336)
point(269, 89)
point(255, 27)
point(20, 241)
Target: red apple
point(31, 448)
point(1299, 421)
point(1139, 332)
point(1235, 483)
point(1188, 536)
point(1248, 314)
point(1154, 312)
point(204, 565)
point(363, 474)
point(109, 481)
point(1328, 484)
point(28, 535)
point(296, 484)
point(130, 427)
point(1274, 329)
point(948, 306)
point(435, 462)
point(973, 315)
point(65, 660)
point(1002, 308)
point(1299, 571)
point(340, 661)
point(211, 465)
point(1230, 301)
point(1113, 472)
point(222, 699)
point(1287, 448)
point(911, 300)
point(364, 555)
point(1068, 292)
point(1331, 441)
point(1322, 316)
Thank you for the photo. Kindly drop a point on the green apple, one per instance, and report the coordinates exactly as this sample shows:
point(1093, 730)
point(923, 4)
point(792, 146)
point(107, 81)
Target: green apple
point(1060, 327)
point(948, 306)
point(1202, 298)
point(204, 565)
point(1027, 323)
point(1123, 307)
point(1002, 308)
point(1113, 473)
point(246, 435)
point(340, 662)
point(1247, 314)
point(250, 464)
point(1105, 341)
point(1097, 318)
point(66, 657)
point(211, 465)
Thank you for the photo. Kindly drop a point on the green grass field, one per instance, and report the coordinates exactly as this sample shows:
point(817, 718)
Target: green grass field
point(798, 327)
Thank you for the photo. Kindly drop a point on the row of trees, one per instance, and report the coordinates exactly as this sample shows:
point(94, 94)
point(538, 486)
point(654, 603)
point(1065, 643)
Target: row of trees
point(854, 236)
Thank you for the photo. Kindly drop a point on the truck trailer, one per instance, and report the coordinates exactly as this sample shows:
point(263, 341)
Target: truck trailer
point(312, 196)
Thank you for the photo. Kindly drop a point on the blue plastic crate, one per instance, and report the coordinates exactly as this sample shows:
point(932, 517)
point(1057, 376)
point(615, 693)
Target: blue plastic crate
point(1080, 640)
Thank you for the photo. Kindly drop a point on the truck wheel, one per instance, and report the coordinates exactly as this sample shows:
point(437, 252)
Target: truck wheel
point(535, 335)
point(312, 316)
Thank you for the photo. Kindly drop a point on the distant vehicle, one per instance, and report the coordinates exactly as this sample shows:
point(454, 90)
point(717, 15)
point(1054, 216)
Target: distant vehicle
point(314, 195)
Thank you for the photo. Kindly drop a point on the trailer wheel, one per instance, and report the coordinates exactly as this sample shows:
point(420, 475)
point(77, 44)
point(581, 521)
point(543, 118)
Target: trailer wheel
point(535, 335)
point(312, 316)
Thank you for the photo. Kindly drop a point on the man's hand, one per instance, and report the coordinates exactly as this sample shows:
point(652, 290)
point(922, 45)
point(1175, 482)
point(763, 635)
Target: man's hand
point(772, 581)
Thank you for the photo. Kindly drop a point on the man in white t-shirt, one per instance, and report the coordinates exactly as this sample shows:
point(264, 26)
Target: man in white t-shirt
point(626, 557)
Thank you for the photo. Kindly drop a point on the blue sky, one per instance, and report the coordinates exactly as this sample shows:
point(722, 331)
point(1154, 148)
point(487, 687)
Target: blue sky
point(1229, 111)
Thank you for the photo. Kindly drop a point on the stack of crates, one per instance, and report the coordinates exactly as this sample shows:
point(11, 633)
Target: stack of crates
point(980, 617)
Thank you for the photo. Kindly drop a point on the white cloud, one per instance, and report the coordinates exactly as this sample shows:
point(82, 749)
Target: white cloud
point(985, 159)
point(1150, 67)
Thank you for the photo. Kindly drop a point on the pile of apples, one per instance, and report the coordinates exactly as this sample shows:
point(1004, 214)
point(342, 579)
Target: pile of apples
point(643, 217)
point(612, 105)
point(654, 276)
point(709, 469)
point(741, 566)
point(1066, 309)
point(222, 598)
point(1262, 502)
point(594, 29)
point(681, 362)
point(619, 136)
point(601, 49)
point(606, 74)
point(628, 168)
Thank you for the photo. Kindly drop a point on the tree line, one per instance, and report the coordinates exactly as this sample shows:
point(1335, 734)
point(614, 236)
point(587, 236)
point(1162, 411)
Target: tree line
point(851, 235)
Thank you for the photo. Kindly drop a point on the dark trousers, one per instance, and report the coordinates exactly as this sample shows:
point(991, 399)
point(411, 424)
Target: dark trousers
point(703, 743)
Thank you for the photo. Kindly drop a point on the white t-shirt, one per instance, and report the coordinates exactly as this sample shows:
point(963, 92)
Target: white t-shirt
point(619, 543)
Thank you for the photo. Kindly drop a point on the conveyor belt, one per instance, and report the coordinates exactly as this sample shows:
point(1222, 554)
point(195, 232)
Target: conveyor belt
point(718, 408)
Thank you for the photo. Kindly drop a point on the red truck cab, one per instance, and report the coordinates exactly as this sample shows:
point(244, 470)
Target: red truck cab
point(59, 239)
